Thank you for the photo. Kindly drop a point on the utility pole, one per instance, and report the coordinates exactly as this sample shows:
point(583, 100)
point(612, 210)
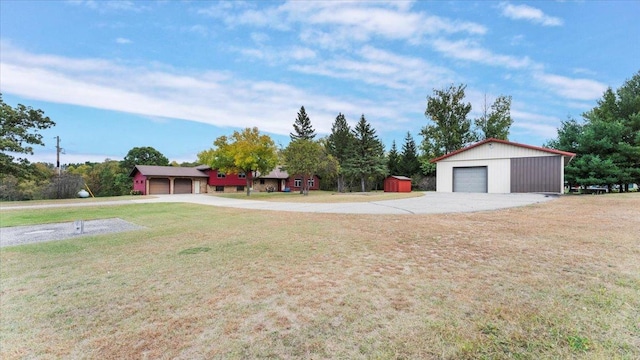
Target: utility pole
point(58, 151)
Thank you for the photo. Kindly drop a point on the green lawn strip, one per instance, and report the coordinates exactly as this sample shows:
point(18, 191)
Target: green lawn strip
point(68, 201)
point(129, 212)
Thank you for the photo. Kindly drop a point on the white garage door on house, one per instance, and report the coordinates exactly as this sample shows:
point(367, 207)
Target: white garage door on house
point(470, 179)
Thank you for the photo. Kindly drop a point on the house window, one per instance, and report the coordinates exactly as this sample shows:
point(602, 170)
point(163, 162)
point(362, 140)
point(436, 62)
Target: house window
point(297, 183)
point(242, 176)
point(261, 181)
point(240, 188)
point(311, 182)
point(221, 175)
point(219, 188)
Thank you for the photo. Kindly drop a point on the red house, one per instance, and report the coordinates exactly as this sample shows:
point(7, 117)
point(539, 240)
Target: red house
point(153, 180)
point(279, 180)
point(397, 184)
point(221, 182)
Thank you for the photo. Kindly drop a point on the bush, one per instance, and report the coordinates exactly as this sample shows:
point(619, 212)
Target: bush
point(136, 192)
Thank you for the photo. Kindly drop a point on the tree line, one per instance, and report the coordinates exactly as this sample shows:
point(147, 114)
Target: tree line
point(354, 159)
point(606, 142)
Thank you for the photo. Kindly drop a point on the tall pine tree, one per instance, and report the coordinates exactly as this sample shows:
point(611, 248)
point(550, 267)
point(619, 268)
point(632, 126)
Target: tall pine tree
point(368, 154)
point(409, 165)
point(302, 127)
point(340, 146)
point(393, 160)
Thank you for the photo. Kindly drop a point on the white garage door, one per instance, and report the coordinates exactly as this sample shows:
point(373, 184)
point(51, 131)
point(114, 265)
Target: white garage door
point(470, 179)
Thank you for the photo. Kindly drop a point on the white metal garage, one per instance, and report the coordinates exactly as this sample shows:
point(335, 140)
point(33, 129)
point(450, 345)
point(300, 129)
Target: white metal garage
point(500, 166)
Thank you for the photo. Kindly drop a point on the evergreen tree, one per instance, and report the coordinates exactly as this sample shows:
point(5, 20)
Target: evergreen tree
point(302, 127)
point(608, 143)
point(393, 160)
point(409, 164)
point(340, 146)
point(496, 121)
point(368, 154)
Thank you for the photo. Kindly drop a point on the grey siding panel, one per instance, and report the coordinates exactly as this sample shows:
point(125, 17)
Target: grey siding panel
point(536, 174)
point(470, 179)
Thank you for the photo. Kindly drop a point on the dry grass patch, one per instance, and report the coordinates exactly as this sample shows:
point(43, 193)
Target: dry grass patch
point(554, 280)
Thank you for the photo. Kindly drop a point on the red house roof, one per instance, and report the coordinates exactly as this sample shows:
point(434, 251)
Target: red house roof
point(552, 151)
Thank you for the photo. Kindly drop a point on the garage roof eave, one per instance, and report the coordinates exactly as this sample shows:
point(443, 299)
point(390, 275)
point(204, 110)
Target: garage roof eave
point(490, 140)
point(168, 171)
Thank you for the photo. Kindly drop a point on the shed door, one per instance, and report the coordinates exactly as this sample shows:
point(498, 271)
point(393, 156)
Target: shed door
point(470, 179)
point(158, 186)
point(182, 186)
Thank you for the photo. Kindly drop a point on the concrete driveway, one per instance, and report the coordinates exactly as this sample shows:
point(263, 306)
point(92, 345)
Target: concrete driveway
point(429, 203)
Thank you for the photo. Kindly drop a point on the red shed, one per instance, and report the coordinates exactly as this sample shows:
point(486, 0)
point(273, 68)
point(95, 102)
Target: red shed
point(397, 184)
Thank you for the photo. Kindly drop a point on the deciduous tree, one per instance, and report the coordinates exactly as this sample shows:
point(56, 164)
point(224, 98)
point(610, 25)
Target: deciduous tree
point(303, 157)
point(450, 129)
point(145, 155)
point(495, 121)
point(19, 128)
point(246, 151)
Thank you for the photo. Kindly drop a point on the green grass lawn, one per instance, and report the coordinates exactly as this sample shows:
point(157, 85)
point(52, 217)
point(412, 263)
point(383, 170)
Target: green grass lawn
point(554, 280)
point(68, 201)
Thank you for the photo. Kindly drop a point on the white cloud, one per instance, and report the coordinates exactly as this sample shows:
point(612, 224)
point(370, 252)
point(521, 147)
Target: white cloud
point(259, 37)
point(123, 41)
point(109, 5)
point(197, 29)
point(529, 13)
point(214, 98)
point(341, 22)
point(379, 67)
point(472, 51)
point(575, 89)
point(542, 130)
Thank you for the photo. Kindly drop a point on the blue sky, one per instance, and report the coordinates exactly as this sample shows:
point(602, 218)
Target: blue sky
point(176, 75)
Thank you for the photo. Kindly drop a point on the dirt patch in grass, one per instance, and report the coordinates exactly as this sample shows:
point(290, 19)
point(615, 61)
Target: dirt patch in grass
point(555, 280)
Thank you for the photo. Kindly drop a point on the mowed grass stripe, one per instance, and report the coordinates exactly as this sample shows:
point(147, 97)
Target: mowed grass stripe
point(554, 280)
